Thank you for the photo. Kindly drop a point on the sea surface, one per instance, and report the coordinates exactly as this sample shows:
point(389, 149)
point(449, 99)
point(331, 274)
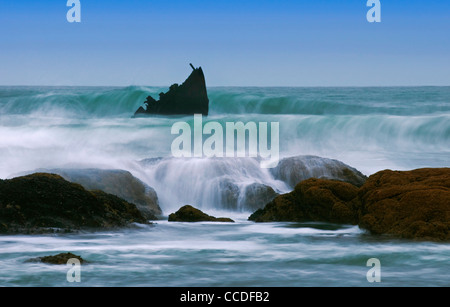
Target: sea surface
point(371, 129)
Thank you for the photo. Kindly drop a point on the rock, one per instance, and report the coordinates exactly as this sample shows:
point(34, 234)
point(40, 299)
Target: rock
point(186, 99)
point(407, 204)
point(228, 194)
point(120, 183)
point(295, 169)
point(248, 197)
point(257, 195)
point(117, 182)
point(190, 214)
point(57, 259)
point(403, 204)
point(312, 200)
point(44, 202)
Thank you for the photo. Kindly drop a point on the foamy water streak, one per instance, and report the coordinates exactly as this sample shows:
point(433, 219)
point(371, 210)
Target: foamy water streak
point(367, 128)
point(206, 183)
point(226, 254)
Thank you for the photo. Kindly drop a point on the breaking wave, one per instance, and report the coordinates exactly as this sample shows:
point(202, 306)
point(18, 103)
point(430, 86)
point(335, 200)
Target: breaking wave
point(123, 101)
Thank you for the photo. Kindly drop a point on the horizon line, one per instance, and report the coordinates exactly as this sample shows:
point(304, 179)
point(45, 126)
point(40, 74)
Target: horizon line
point(218, 86)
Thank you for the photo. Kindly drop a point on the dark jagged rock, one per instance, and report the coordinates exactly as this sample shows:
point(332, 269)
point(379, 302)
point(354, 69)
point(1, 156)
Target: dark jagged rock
point(186, 99)
point(312, 200)
point(190, 214)
point(61, 258)
point(292, 170)
point(44, 202)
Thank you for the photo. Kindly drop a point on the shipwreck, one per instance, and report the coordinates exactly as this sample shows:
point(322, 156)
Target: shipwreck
point(188, 98)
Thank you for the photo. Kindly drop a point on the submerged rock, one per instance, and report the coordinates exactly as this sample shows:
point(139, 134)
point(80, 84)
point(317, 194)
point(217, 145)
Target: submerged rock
point(61, 258)
point(228, 194)
point(186, 99)
point(244, 196)
point(190, 214)
point(408, 204)
point(44, 202)
point(295, 169)
point(312, 200)
point(256, 195)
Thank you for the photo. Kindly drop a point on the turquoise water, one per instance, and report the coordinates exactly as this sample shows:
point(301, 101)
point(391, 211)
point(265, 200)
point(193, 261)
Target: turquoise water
point(368, 128)
point(95, 102)
point(240, 254)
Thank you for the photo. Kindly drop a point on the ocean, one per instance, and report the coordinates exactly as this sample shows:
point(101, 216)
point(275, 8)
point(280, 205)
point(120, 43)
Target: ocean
point(370, 129)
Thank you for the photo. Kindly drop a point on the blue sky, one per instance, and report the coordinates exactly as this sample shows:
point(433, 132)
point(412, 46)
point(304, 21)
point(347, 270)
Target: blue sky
point(238, 43)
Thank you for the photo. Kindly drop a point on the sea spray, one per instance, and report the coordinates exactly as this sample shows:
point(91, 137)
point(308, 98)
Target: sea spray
point(368, 128)
point(207, 183)
point(190, 141)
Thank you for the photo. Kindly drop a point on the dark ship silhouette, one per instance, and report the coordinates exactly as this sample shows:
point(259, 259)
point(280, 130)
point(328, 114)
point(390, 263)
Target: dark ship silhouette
point(188, 98)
